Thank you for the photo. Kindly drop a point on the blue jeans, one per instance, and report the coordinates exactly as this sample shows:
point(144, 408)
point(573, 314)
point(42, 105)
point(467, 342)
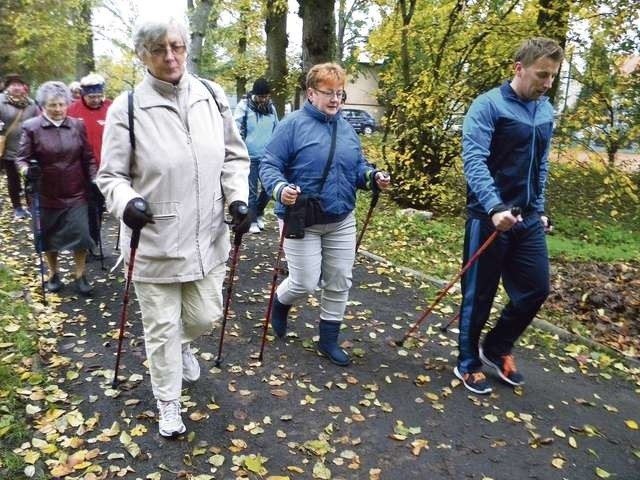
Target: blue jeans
point(258, 198)
point(519, 257)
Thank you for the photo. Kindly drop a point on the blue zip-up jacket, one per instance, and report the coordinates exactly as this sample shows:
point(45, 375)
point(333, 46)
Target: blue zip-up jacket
point(505, 145)
point(255, 128)
point(298, 152)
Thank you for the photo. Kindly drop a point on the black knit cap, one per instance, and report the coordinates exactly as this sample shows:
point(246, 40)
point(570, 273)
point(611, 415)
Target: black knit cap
point(261, 87)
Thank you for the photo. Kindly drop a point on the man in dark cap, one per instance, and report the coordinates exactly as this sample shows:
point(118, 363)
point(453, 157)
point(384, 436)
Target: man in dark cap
point(256, 118)
point(15, 108)
point(92, 108)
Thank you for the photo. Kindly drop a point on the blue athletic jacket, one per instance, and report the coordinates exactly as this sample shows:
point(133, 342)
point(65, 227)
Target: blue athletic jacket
point(505, 145)
point(298, 152)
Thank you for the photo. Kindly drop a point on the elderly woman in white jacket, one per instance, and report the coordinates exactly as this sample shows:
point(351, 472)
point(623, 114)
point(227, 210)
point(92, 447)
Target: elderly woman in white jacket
point(184, 159)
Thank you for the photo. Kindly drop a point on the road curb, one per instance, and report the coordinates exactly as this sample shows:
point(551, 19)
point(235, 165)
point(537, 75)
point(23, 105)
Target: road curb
point(565, 335)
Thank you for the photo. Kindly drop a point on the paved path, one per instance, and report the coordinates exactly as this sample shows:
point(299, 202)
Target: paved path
point(395, 413)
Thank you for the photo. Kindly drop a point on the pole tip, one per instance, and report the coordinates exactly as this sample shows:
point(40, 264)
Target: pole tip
point(399, 343)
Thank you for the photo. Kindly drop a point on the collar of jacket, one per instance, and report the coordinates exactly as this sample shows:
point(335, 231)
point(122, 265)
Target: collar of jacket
point(46, 123)
point(508, 92)
point(312, 111)
point(153, 92)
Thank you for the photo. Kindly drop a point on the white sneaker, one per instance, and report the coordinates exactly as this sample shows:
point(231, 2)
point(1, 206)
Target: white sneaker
point(254, 228)
point(260, 222)
point(170, 422)
point(190, 365)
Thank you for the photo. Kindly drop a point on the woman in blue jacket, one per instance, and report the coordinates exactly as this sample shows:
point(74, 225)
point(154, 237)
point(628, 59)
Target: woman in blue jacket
point(294, 162)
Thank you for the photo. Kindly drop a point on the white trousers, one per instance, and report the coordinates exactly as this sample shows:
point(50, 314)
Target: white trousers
point(323, 258)
point(174, 314)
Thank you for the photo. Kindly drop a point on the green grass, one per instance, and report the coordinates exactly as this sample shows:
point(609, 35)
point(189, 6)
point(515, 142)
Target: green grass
point(17, 348)
point(596, 216)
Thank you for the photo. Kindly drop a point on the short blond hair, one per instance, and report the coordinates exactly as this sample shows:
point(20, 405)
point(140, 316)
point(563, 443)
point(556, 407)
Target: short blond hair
point(325, 71)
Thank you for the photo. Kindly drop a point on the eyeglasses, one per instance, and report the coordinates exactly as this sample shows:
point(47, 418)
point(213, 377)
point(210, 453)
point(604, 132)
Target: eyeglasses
point(330, 94)
point(161, 50)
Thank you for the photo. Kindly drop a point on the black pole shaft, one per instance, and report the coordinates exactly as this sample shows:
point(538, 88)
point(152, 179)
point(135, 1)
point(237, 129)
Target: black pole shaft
point(37, 229)
point(374, 201)
point(237, 241)
point(276, 269)
point(135, 240)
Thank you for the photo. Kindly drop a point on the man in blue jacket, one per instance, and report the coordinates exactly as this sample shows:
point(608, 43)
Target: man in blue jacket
point(505, 144)
point(256, 119)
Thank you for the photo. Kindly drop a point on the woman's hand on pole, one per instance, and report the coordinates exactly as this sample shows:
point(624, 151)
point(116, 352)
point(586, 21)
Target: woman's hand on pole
point(289, 194)
point(383, 180)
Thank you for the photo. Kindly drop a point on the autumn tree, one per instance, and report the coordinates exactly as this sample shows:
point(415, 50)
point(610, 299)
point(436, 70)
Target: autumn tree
point(318, 32)
point(200, 21)
point(438, 55)
point(276, 45)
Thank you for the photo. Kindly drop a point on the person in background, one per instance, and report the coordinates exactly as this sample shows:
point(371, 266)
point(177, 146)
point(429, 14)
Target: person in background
point(256, 119)
point(92, 109)
point(188, 159)
point(15, 108)
point(293, 163)
point(76, 90)
point(506, 136)
point(64, 168)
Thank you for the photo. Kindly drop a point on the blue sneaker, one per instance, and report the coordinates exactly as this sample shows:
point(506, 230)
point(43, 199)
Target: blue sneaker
point(475, 382)
point(505, 367)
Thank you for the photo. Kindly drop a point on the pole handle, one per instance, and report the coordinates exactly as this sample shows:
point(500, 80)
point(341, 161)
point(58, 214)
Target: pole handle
point(135, 238)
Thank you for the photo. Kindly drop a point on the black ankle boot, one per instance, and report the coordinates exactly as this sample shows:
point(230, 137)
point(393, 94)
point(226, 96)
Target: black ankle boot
point(54, 284)
point(82, 286)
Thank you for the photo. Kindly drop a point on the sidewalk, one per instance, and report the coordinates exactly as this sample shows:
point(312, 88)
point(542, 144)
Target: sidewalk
point(395, 413)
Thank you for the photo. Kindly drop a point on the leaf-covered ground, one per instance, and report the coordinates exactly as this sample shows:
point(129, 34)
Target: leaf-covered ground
point(395, 413)
point(603, 300)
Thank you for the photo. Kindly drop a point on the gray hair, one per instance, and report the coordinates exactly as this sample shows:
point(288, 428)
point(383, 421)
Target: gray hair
point(53, 89)
point(152, 32)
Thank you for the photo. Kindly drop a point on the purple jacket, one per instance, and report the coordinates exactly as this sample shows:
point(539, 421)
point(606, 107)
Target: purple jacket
point(65, 157)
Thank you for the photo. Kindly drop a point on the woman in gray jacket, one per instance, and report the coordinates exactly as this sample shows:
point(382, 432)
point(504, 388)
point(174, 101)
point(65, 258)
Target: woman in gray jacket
point(184, 159)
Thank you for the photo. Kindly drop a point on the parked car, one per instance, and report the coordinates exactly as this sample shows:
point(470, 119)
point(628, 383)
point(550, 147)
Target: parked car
point(361, 120)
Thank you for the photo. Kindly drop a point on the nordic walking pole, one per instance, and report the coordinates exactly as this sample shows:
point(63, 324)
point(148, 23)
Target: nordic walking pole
point(515, 211)
point(450, 322)
point(375, 196)
point(34, 188)
point(237, 240)
point(133, 246)
point(117, 247)
point(276, 269)
point(99, 220)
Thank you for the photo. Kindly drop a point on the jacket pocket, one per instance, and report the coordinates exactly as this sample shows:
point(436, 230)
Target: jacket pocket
point(217, 216)
point(162, 238)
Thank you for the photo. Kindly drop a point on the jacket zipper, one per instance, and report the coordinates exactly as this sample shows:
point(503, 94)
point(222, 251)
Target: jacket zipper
point(532, 153)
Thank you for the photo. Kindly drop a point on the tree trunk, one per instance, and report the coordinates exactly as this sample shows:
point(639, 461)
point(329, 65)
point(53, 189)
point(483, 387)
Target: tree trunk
point(199, 20)
point(406, 11)
point(85, 62)
point(318, 32)
point(553, 22)
point(276, 30)
point(241, 79)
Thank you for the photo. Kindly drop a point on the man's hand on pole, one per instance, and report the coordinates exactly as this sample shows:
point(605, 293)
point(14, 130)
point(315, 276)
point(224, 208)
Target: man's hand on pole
point(383, 179)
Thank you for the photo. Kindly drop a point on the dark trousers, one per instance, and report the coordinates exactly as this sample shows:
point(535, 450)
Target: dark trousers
point(13, 182)
point(519, 257)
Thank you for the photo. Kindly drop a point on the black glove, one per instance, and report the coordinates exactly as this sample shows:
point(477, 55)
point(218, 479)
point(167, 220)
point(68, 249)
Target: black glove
point(137, 214)
point(34, 172)
point(240, 219)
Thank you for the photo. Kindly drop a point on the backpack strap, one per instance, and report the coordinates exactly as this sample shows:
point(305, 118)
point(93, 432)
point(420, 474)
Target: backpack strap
point(206, 84)
point(132, 135)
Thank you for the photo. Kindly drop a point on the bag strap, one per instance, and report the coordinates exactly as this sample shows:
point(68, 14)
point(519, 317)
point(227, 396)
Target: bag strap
point(332, 151)
point(14, 123)
point(132, 135)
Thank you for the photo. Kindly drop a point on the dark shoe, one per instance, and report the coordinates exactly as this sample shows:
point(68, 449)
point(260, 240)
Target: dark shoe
point(20, 213)
point(328, 343)
point(279, 313)
point(54, 284)
point(505, 367)
point(82, 286)
point(475, 382)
